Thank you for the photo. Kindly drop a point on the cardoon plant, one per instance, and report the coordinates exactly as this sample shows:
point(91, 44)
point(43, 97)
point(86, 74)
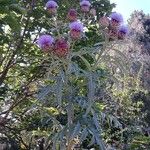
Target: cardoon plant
point(73, 82)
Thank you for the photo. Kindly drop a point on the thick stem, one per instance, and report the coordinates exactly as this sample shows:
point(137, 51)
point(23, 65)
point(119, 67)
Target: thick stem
point(70, 113)
point(70, 145)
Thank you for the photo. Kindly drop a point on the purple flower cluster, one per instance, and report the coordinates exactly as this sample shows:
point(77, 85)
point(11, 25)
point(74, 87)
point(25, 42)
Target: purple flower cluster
point(114, 26)
point(59, 47)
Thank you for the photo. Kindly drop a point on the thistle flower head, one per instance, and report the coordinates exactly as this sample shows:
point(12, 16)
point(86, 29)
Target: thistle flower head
point(77, 26)
point(116, 17)
point(122, 32)
point(61, 47)
point(45, 41)
point(124, 29)
point(85, 3)
point(51, 4)
point(72, 15)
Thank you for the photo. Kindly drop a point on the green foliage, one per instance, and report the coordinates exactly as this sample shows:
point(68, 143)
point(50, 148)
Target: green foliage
point(140, 142)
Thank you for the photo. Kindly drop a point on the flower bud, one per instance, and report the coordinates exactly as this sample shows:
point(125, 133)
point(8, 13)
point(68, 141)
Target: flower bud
point(72, 15)
point(61, 47)
point(104, 21)
point(93, 12)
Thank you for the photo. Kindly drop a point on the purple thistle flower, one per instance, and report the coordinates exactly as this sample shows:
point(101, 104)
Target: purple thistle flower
point(51, 4)
point(117, 17)
point(76, 25)
point(122, 32)
point(123, 29)
point(45, 41)
point(76, 29)
point(85, 3)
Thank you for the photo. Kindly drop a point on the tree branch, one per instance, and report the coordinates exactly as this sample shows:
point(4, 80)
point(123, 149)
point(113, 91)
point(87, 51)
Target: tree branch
point(7, 67)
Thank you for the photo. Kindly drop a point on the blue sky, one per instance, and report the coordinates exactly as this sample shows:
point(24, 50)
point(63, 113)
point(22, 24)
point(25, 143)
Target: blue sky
point(126, 7)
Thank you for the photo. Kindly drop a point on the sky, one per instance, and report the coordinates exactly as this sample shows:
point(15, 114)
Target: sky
point(126, 7)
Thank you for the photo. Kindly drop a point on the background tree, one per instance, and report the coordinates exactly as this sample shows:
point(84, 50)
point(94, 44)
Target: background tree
point(141, 64)
point(137, 50)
